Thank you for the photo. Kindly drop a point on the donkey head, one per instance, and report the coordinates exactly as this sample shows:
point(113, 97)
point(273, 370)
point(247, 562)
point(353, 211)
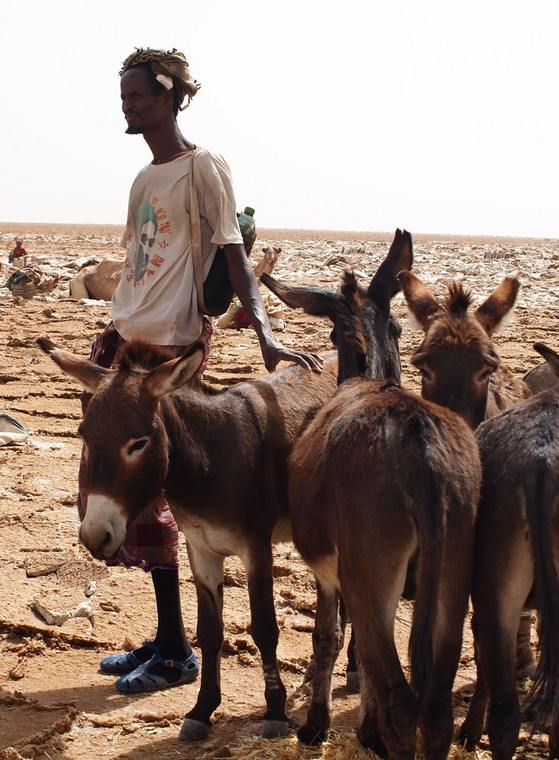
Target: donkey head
point(125, 441)
point(373, 349)
point(457, 357)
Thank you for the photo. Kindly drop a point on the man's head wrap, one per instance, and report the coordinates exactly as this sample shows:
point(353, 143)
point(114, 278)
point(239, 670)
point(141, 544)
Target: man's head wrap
point(169, 64)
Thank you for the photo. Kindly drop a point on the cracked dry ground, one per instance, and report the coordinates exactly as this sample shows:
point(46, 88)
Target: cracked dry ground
point(54, 702)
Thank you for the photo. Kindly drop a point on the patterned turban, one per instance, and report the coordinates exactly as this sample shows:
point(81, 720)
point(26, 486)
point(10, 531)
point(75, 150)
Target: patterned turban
point(169, 63)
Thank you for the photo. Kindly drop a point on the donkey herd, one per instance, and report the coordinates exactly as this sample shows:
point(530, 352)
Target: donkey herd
point(442, 498)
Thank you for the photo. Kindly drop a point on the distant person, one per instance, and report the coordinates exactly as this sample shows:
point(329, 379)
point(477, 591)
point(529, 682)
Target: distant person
point(156, 301)
point(18, 255)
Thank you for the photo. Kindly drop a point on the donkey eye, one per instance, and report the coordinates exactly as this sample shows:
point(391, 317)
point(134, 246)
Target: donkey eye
point(137, 445)
point(425, 374)
point(485, 374)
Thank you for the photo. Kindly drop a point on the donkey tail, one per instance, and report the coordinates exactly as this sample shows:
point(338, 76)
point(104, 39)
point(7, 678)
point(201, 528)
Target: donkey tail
point(429, 500)
point(543, 695)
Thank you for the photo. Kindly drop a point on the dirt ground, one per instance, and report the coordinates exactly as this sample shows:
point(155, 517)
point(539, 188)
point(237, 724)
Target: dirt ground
point(54, 701)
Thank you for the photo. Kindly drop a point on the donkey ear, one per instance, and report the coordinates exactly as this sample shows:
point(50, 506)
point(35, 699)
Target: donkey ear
point(82, 370)
point(316, 301)
point(496, 311)
point(421, 303)
point(175, 373)
point(550, 356)
point(384, 284)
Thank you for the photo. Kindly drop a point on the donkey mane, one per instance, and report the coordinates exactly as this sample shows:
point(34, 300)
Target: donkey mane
point(453, 335)
point(458, 298)
point(350, 320)
point(139, 355)
point(452, 330)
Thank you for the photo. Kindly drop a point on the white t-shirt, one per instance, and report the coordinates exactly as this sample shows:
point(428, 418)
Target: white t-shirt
point(156, 297)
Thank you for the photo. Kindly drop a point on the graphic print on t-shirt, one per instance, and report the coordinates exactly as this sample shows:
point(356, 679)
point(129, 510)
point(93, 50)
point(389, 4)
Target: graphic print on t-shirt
point(145, 224)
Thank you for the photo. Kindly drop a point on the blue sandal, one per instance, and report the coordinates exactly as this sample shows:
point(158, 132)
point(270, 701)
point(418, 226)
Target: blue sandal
point(126, 662)
point(141, 680)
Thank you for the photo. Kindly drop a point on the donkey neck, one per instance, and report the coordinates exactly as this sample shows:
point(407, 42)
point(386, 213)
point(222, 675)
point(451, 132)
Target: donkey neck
point(204, 430)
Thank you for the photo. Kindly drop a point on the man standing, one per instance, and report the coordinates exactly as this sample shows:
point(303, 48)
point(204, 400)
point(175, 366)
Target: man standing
point(156, 301)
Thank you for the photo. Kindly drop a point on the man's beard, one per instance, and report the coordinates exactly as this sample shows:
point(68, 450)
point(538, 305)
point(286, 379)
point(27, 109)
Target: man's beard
point(133, 130)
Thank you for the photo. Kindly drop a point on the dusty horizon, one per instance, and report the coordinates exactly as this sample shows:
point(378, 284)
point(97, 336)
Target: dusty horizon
point(266, 233)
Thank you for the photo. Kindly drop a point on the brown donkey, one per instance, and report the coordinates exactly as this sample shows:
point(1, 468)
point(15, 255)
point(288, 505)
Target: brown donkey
point(378, 328)
point(457, 359)
point(461, 369)
point(516, 566)
point(383, 492)
point(221, 458)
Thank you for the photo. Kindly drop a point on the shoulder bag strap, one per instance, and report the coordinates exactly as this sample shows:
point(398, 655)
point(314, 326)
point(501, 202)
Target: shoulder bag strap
point(196, 238)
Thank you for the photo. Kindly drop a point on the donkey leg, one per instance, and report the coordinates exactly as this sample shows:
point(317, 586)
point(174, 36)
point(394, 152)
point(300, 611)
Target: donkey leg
point(369, 720)
point(503, 715)
point(525, 661)
point(352, 674)
point(497, 650)
point(327, 642)
point(472, 728)
point(554, 738)
point(389, 709)
point(503, 579)
point(207, 570)
point(474, 724)
point(436, 720)
point(264, 630)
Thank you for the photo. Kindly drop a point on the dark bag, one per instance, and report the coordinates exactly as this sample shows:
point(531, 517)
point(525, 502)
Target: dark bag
point(218, 291)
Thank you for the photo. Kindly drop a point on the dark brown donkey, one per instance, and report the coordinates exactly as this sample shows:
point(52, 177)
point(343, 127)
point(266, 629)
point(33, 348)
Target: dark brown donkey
point(380, 326)
point(378, 329)
point(461, 369)
point(221, 458)
point(516, 566)
point(383, 493)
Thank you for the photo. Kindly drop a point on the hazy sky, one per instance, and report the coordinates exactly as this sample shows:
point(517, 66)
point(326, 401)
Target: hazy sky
point(433, 115)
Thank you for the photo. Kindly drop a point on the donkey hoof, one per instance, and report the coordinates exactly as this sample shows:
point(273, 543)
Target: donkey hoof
point(310, 736)
point(468, 736)
point(274, 728)
point(370, 739)
point(194, 730)
point(352, 684)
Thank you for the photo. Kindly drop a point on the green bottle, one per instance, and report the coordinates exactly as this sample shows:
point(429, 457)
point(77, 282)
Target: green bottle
point(248, 228)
